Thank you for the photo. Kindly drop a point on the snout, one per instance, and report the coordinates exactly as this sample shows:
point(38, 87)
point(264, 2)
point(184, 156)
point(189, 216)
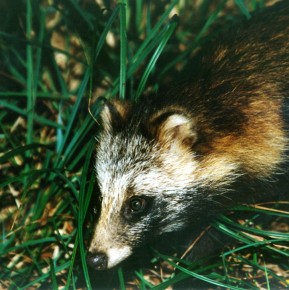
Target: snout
point(97, 261)
point(108, 258)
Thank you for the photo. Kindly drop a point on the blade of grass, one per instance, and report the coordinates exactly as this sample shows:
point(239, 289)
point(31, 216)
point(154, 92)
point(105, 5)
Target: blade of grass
point(63, 88)
point(73, 154)
point(138, 16)
point(204, 278)
point(170, 30)
point(38, 52)
point(255, 265)
point(81, 12)
point(196, 275)
point(123, 48)
point(153, 33)
point(121, 278)
point(82, 211)
point(72, 263)
point(143, 281)
point(21, 150)
point(196, 41)
point(29, 243)
point(59, 162)
point(198, 268)
point(51, 96)
point(100, 44)
point(253, 230)
point(243, 8)
point(45, 276)
point(145, 48)
point(53, 275)
point(269, 211)
point(17, 39)
point(148, 16)
point(30, 77)
point(15, 108)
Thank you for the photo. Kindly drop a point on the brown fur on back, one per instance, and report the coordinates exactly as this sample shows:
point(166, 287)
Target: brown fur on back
point(237, 94)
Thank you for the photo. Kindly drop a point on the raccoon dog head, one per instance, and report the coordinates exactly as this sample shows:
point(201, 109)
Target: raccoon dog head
point(145, 171)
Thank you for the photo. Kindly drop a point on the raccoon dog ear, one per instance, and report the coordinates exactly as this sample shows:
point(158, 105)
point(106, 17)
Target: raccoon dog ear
point(173, 127)
point(114, 114)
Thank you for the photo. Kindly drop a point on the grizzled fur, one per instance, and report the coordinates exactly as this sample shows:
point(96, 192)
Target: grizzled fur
point(164, 161)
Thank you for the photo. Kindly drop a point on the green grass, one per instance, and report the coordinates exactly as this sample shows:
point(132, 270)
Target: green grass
point(56, 60)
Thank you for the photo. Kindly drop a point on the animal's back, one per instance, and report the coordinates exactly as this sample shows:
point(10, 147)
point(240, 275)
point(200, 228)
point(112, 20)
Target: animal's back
point(237, 96)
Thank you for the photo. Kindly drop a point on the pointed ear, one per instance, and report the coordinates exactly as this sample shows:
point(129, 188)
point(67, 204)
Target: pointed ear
point(173, 127)
point(114, 114)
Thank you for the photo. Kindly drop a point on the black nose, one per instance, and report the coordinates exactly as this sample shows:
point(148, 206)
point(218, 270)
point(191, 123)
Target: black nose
point(98, 261)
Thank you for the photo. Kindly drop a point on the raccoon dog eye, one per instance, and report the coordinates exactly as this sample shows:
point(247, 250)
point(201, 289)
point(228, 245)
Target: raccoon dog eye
point(137, 205)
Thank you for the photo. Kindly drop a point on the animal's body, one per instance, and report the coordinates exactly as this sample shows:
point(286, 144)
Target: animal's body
point(166, 160)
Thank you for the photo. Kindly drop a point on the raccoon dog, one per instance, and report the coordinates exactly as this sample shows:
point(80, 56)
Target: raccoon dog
point(169, 159)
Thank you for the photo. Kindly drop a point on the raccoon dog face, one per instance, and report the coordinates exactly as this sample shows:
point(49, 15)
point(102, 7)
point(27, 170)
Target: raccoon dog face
point(142, 187)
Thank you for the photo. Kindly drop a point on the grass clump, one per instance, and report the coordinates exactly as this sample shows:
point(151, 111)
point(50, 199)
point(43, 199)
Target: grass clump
point(56, 59)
